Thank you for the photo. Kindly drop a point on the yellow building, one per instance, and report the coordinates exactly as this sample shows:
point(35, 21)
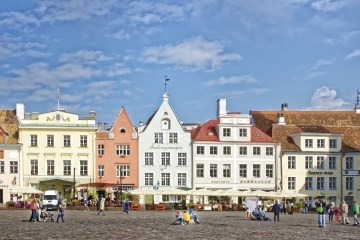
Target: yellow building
point(320, 151)
point(58, 149)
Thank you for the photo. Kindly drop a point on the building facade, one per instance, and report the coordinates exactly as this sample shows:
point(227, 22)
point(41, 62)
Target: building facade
point(58, 149)
point(10, 155)
point(231, 153)
point(320, 151)
point(117, 154)
point(164, 152)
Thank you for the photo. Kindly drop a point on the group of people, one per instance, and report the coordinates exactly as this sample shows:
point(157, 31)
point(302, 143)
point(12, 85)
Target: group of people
point(322, 208)
point(37, 212)
point(100, 206)
point(188, 217)
point(257, 214)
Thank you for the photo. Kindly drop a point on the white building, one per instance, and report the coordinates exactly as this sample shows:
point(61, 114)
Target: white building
point(58, 149)
point(231, 153)
point(164, 152)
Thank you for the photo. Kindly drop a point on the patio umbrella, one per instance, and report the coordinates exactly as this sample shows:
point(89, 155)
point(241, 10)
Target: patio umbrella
point(25, 190)
point(282, 194)
point(171, 191)
point(202, 192)
point(97, 184)
point(145, 191)
point(234, 193)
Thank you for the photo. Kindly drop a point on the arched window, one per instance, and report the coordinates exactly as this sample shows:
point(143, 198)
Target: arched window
point(165, 124)
point(122, 130)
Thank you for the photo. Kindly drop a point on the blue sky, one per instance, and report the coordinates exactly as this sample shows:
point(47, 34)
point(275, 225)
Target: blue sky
point(103, 55)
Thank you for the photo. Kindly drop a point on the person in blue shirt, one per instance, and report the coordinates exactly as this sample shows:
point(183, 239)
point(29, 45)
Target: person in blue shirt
point(276, 209)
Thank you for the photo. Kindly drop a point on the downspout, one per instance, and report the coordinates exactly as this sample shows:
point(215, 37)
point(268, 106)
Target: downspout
point(342, 175)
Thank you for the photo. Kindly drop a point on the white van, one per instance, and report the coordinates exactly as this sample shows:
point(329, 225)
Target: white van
point(50, 200)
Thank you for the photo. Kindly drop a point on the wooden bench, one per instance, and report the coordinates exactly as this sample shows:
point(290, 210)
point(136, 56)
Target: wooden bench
point(136, 207)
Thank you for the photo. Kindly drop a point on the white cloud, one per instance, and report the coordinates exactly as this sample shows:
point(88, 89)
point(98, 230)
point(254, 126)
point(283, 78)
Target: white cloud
point(195, 54)
point(329, 5)
point(318, 68)
point(325, 98)
point(118, 70)
point(84, 56)
point(259, 91)
point(231, 80)
point(355, 53)
point(100, 88)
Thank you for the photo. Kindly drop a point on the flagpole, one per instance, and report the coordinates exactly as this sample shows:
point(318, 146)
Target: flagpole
point(58, 95)
point(166, 79)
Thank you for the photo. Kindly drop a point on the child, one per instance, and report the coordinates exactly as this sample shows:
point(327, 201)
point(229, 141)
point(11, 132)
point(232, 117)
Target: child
point(178, 219)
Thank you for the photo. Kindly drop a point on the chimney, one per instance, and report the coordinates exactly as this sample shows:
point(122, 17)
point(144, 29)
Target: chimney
point(99, 125)
point(284, 107)
point(281, 119)
point(221, 107)
point(92, 115)
point(20, 111)
point(105, 126)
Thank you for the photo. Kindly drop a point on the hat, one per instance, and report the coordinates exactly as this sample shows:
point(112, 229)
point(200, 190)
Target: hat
point(332, 204)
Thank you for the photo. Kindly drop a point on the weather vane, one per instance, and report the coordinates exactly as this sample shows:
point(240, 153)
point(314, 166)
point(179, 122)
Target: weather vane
point(166, 80)
point(58, 97)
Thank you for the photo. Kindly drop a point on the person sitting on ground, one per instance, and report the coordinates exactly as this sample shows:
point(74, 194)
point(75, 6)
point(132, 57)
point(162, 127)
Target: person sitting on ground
point(263, 216)
point(255, 214)
point(178, 219)
point(193, 216)
point(187, 218)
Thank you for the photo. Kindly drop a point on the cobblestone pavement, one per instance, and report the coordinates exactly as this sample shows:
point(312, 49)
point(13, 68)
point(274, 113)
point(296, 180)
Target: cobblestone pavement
point(156, 225)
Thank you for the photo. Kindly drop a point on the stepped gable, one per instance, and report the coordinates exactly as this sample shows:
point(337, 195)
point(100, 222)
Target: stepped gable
point(337, 122)
point(10, 124)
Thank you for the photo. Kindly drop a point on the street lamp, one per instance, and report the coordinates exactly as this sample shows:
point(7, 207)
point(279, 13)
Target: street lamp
point(120, 187)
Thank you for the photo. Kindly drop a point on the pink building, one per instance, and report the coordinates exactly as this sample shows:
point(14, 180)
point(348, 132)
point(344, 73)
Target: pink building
point(117, 154)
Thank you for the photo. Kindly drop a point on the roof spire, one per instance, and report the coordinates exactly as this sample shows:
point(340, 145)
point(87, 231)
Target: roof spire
point(166, 80)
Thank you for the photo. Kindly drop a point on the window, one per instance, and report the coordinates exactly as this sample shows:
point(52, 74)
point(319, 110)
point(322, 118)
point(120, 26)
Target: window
point(123, 150)
point(242, 150)
point(101, 170)
point(226, 132)
point(308, 162)
point(256, 151)
point(320, 183)
point(242, 132)
point(34, 168)
point(243, 170)
point(122, 130)
point(2, 167)
point(226, 170)
point(200, 170)
point(269, 170)
point(213, 170)
point(13, 167)
point(149, 158)
point(308, 183)
point(149, 179)
point(50, 140)
point(321, 143)
point(200, 150)
point(349, 163)
point(67, 141)
point(101, 149)
point(165, 124)
point(67, 167)
point(182, 159)
point(332, 183)
point(291, 183)
point(308, 143)
point(50, 168)
point(173, 138)
point(83, 141)
point(213, 150)
point(333, 143)
point(122, 171)
point(181, 179)
point(226, 150)
point(349, 183)
point(256, 170)
point(291, 162)
point(33, 140)
point(83, 168)
point(320, 162)
point(269, 151)
point(158, 138)
point(165, 158)
point(332, 162)
point(165, 179)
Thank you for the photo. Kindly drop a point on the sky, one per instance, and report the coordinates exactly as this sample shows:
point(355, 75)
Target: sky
point(104, 54)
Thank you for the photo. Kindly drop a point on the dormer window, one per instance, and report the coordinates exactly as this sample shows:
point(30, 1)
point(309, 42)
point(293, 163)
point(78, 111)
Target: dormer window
point(165, 124)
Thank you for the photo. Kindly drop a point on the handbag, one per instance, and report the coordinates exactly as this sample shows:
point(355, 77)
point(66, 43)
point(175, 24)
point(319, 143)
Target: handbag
point(319, 209)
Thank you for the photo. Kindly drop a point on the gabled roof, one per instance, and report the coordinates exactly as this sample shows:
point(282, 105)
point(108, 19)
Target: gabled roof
point(207, 132)
point(10, 124)
point(339, 122)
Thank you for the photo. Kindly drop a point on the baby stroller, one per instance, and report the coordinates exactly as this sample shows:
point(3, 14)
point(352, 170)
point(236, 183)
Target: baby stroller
point(46, 216)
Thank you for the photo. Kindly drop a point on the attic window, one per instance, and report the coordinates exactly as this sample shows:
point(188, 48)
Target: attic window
point(165, 124)
point(210, 134)
point(256, 134)
point(122, 130)
point(165, 113)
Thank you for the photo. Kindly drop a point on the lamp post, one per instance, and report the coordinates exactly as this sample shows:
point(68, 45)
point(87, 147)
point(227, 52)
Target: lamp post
point(120, 187)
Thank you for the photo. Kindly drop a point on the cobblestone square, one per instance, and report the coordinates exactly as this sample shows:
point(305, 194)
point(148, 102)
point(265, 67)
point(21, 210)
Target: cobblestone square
point(156, 225)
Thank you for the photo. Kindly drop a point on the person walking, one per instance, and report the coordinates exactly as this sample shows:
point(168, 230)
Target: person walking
point(102, 206)
point(355, 209)
point(277, 209)
point(321, 209)
point(33, 207)
point(331, 209)
point(344, 213)
point(126, 206)
point(61, 210)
